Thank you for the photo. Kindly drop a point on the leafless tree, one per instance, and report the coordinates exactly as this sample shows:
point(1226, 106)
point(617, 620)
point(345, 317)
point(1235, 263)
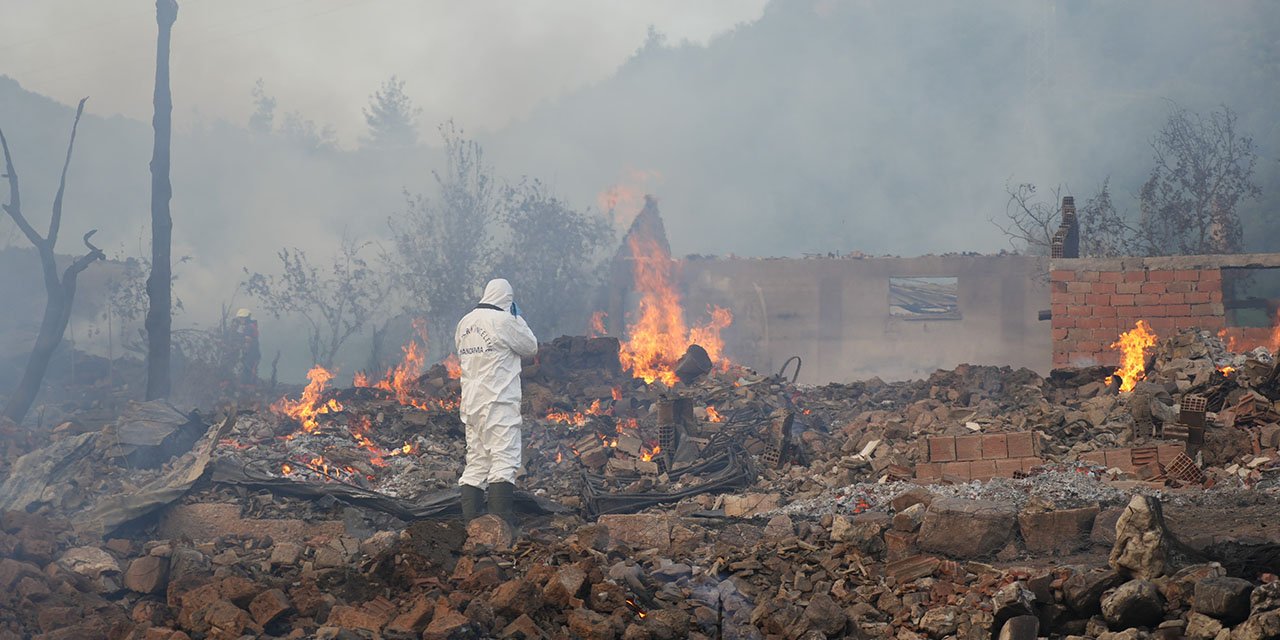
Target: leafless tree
point(60, 291)
point(159, 320)
point(445, 245)
point(1030, 222)
point(391, 117)
point(336, 306)
point(1203, 170)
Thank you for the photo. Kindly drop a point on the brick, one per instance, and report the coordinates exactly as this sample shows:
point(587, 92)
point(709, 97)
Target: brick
point(1059, 333)
point(1165, 453)
point(1058, 310)
point(898, 545)
point(1104, 287)
point(968, 448)
point(1211, 275)
point(1213, 323)
point(1028, 464)
point(1135, 276)
point(1205, 309)
point(1119, 459)
point(1076, 298)
point(1152, 311)
point(1088, 276)
point(1144, 299)
point(1181, 287)
point(994, 446)
point(1089, 323)
point(1005, 467)
point(982, 469)
point(1122, 299)
point(1187, 274)
point(1094, 457)
point(1098, 299)
point(1160, 324)
point(1064, 323)
point(1172, 298)
point(1129, 287)
point(1197, 297)
point(1178, 310)
point(1154, 287)
point(1187, 322)
point(1021, 444)
point(928, 471)
point(1105, 311)
point(1079, 287)
point(1160, 275)
point(1062, 275)
point(1110, 276)
point(1078, 310)
point(942, 449)
point(957, 469)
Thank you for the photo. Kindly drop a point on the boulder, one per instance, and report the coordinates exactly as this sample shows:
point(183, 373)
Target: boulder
point(1142, 540)
point(1224, 598)
point(1202, 627)
point(1136, 603)
point(268, 605)
point(1020, 628)
point(488, 532)
point(147, 575)
point(966, 528)
point(1058, 532)
point(1265, 598)
point(1260, 626)
point(825, 615)
point(1083, 591)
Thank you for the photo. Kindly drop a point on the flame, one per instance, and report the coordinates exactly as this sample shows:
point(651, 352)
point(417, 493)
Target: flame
point(636, 608)
point(713, 415)
point(647, 454)
point(1227, 371)
point(286, 468)
point(617, 393)
point(559, 457)
point(597, 325)
point(660, 336)
point(453, 366)
point(576, 419)
point(1134, 344)
point(307, 409)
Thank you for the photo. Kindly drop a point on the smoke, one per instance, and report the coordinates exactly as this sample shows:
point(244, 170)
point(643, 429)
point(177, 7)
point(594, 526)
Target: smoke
point(809, 127)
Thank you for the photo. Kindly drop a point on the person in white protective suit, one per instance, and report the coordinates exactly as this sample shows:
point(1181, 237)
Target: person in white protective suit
point(491, 341)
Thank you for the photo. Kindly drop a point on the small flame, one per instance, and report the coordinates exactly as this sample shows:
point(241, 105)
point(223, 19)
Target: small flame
point(1133, 344)
point(286, 468)
point(713, 415)
point(453, 366)
point(597, 325)
point(307, 409)
point(1227, 371)
point(647, 454)
point(636, 608)
point(559, 457)
point(617, 393)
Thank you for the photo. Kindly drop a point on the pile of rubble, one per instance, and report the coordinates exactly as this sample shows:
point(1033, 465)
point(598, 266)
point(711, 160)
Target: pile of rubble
point(981, 502)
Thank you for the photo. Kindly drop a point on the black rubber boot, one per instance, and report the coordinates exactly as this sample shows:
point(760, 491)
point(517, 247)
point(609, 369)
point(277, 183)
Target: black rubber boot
point(472, 501)
point(501, 501)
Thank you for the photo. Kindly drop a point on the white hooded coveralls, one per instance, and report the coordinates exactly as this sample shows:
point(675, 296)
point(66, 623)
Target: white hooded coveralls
point(490, 345)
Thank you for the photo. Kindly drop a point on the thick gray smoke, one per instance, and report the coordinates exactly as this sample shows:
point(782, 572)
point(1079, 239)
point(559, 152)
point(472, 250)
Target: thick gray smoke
point(817, 126)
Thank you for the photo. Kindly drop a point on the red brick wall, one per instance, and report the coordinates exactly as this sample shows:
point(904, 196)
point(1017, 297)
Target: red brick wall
point(1093, 304)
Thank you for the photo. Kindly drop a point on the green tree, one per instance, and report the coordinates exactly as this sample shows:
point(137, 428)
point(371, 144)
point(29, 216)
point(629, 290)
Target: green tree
point(391, 117)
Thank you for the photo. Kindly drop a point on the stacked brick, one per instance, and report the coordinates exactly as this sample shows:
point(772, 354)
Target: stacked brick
point(979, 456)
point(1130, 460)
point(1092, 306)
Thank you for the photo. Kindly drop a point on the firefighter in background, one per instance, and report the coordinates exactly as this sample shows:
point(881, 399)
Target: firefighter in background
point(244, 344)
point(491, 341)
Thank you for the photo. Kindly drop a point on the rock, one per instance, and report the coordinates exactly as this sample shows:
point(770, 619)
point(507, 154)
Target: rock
point(825, 615)
point(1263, 598)
point(1104, 526)
point(522, 628)
point(748, 504)
point(1202, 627)
point(1020, 628)
point(940, 621)
point(516, 597)
point(415, 618)
point(585, 623)
point(352, 618)
point(268, 606)
point(286, 553)
point(488, 532)
point(1224, 598)
point(1142, 540)
point(1136, 603)
point(917, 495)
point(379, 543)
point(447, 624)
point(667, 624)
point(909, 520)
point(1083, 591)
point(639, 530)
point(594, 536)
point(1179, 588)
point(329, 558)
point(1058, 532)
point(1011, 601)
point(779, 526)
point(1260, 626)
point(861, 532)
point(90, 562)
point(966, 528)
point(564, 586)
point(147, 575)
point(223, 620)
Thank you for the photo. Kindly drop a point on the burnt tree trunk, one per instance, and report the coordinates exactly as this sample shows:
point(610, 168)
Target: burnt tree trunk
point(160, 283)
point(60, 292)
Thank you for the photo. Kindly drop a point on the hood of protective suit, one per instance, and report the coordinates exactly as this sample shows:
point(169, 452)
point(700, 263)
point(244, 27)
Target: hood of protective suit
point(498, 293)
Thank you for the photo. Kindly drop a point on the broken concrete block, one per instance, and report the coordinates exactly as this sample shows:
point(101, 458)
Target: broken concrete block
point(967, 528)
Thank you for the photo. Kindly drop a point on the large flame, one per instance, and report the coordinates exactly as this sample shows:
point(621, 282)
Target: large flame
point(399, 380)
point(308, 408)
point(1133, 344)
point(659, 336)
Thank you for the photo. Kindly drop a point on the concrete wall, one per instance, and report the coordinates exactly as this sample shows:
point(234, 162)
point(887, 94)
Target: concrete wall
point(834, 314)
point(1095, 300)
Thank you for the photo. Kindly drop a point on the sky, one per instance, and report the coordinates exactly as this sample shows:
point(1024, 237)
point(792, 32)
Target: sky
point(483, 62)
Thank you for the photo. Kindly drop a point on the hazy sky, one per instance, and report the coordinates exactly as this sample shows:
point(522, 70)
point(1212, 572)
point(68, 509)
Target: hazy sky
point(481, 62)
